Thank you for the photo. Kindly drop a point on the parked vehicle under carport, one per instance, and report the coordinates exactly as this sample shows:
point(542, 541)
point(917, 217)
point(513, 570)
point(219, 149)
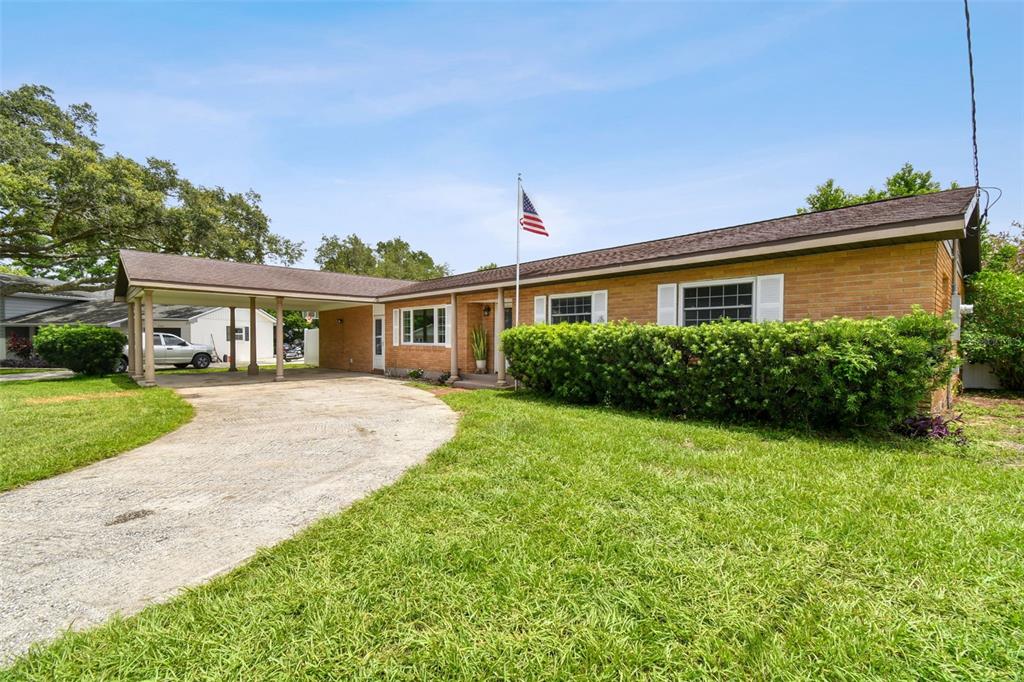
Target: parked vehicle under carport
point(171, 349)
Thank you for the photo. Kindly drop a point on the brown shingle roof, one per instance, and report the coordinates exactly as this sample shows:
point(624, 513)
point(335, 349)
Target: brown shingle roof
point(189, 271)
point(927, 207)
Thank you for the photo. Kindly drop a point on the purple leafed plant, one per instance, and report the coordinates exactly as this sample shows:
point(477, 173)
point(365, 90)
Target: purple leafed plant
point(934, 426)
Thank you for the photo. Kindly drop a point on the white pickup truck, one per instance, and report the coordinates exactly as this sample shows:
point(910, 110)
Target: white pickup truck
point(171, 349)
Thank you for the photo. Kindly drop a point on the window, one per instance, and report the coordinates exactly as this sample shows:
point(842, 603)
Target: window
point(241, 333)
point(571, 308)
point(710, 302)
point(172, 340)
point(424, 325)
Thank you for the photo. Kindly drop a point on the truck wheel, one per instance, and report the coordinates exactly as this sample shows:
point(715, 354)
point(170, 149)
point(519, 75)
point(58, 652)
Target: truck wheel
point(201, 361)
point(122, 365)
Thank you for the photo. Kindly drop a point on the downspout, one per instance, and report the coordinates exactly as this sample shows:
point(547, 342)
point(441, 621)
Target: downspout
point(3, 327)
point(955, 305)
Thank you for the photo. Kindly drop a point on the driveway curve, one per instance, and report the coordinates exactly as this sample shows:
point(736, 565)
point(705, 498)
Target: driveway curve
point(259, 462)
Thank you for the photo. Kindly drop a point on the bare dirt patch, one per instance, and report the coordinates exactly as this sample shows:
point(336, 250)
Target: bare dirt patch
point(986, 401)
point(74, 397)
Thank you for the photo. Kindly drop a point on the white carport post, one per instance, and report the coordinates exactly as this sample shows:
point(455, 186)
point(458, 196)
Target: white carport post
point(455, 342)
point(254, 367)
point(131, 338)
point(136, 332)
point(279, 340)
point(233, 365)
point(150, 367)
point(499, 327)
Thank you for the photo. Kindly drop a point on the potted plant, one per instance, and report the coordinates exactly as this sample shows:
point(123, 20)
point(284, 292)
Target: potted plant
point(478, 342)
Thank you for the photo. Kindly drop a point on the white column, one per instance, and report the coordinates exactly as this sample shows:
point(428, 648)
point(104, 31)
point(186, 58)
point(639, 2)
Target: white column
point(233, 364)
point(499, 327)
point(131, 339)
point(136, 332)
point(455, 341)
point(150, 366)
point(279, 340)
point(254, 367)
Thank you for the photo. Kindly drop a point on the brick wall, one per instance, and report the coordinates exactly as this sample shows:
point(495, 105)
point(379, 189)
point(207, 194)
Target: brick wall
point(875, 281)
point(348, 345)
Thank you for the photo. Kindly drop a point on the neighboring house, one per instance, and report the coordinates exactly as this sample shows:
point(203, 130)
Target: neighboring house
point(16, 302)
point(874, 259)
point(196, 324)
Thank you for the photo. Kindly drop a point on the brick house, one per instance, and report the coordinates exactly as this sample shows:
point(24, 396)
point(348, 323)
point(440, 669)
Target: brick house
point(874, 259)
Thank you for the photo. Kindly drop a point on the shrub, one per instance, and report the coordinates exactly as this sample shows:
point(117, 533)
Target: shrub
point(20, 346)
point(839, 373)
point(25, 363)
point(84, 349)
point(443, 378)
point(994, 333)
point(934, 426)
point(415, 374)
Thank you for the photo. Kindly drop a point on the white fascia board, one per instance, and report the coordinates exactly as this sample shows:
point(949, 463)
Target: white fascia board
point(137, 287)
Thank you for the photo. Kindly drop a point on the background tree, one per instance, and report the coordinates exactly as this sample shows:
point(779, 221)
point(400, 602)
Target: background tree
point(905, 182)
point(489, 266)
point(66, 207)
point(1003, 251)
point(351, 255)
point(393, 258)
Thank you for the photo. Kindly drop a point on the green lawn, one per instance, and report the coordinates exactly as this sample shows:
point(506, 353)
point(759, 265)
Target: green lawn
point(558, 542)
point(241, 368)
point(26, 370)
point(51, 426)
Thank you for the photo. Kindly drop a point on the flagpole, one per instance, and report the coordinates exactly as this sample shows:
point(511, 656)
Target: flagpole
point(519, 225)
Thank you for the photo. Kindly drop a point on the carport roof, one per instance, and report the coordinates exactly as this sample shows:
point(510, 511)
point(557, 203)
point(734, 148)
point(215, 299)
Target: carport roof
point(189, 272)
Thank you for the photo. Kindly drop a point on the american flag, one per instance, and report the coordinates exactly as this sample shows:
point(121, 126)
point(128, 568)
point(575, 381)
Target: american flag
point(531, 221)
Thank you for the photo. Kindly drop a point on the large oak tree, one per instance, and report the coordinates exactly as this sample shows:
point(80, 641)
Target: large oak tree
point(66, 207)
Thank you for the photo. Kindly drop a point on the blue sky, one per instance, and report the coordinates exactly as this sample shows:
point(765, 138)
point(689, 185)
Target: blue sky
point(629, 121)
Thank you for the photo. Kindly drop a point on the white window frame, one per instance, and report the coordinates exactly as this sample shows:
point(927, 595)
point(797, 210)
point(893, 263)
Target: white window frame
point(575, 294)
point(683, 286)
point(241, 333)
point(440, 329)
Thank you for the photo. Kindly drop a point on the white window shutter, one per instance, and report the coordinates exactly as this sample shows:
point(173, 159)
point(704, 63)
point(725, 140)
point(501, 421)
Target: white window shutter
point(668, 304)
point(599, 307)
point(448, 312)
point(540, 309)
point(769, 298)
point(396, 327)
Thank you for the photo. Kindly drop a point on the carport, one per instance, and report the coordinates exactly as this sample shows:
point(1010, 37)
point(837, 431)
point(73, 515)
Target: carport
point(146, 279)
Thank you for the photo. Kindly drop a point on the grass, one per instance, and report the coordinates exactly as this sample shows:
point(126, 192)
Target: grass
point(995, 425)
point(559, 542)
point(241, 368)
point(27, 370)
point(53, 426)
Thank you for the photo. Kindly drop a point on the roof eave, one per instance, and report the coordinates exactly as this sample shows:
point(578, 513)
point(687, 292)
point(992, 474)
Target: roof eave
point(951, 228)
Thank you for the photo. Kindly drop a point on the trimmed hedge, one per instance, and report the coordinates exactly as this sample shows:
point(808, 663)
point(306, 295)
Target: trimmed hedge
point(836, 374)
point(84, 349)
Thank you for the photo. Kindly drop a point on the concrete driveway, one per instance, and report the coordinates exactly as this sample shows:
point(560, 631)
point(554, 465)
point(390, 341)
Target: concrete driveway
point(259, 462)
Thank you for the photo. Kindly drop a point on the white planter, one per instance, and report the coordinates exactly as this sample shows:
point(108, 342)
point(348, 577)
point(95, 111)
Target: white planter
point(481, 366)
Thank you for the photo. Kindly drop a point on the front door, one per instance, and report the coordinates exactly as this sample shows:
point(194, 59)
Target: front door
point(378, 342)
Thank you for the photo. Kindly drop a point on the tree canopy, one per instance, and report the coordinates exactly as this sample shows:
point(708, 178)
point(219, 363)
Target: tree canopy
point(66, 207)
point(905, 182)
point(394, 258)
